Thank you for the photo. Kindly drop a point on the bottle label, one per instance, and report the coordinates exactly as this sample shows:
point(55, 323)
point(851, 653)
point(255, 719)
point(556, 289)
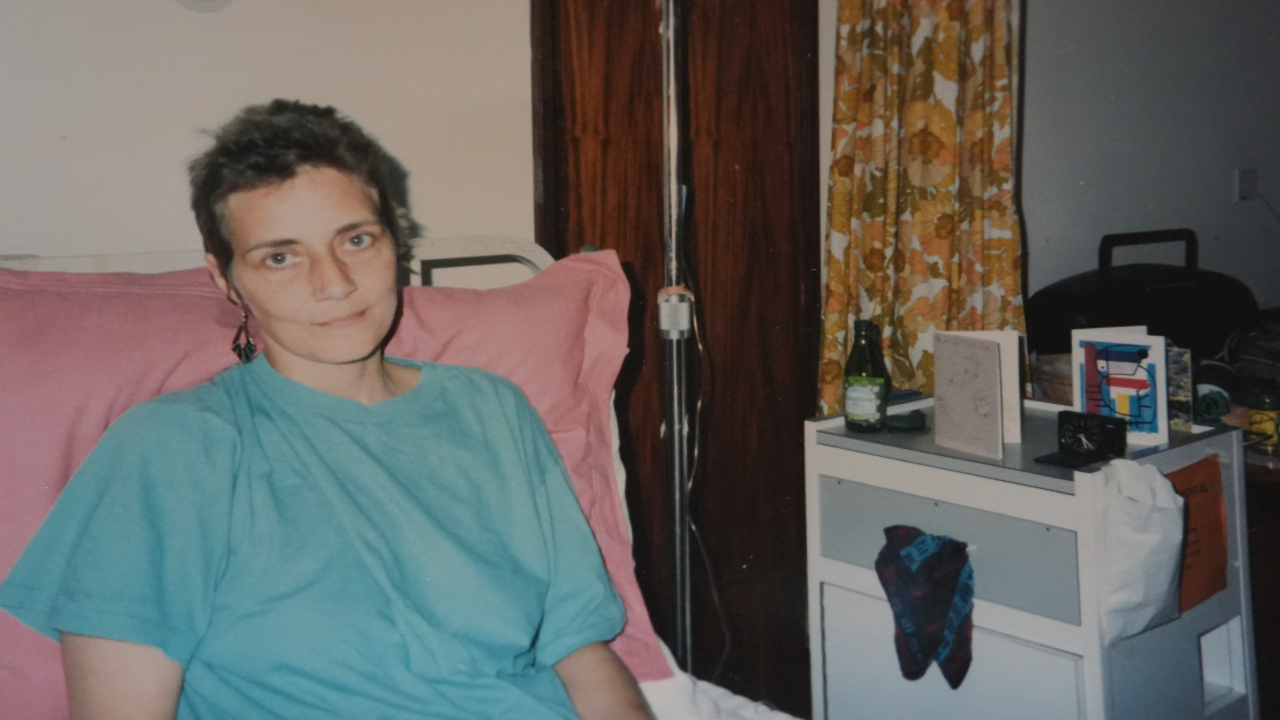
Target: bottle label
point(862, 398)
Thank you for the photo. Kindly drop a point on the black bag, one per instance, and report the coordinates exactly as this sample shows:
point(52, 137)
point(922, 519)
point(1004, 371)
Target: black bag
point(1193, 308)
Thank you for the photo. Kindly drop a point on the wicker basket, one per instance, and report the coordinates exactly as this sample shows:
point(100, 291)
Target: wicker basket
point(1051, 377)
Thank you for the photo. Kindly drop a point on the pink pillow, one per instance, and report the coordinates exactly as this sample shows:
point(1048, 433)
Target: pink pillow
point(77, 350)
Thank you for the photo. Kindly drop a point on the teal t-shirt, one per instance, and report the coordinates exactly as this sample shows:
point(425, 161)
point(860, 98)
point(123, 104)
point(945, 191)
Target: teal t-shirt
point(307, 556)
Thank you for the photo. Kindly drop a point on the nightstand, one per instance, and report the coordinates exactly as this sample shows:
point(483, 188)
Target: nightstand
point(1037, 648)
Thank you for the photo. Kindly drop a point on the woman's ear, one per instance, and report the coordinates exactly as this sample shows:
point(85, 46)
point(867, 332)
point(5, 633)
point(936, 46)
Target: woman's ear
point(219, 278)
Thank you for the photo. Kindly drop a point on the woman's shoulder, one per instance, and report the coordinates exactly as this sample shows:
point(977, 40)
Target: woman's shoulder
point(207, 409)
point(179, 442)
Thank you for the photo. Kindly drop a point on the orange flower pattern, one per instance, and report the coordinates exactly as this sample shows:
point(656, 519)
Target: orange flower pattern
point(923, 231)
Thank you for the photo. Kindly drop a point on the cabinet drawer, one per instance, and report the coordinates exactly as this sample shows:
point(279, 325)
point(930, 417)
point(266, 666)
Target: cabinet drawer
point(1017, 563)
point(1009, 679)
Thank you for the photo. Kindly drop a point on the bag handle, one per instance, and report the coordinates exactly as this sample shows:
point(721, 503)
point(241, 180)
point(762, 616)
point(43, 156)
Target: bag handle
point(1150, 237)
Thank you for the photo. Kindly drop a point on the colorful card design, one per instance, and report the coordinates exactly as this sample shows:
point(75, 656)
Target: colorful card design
point(1181, 390)
point(1121, 373)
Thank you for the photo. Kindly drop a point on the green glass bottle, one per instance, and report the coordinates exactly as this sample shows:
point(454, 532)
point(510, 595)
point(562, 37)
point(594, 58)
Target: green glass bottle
point(866, 383)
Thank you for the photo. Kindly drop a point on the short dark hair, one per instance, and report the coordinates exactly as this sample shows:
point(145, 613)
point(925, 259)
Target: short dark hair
point(268, 144)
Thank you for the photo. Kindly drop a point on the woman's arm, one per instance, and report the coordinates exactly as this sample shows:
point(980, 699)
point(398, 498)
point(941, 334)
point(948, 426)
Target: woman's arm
point(117, 680)
point(600, 686)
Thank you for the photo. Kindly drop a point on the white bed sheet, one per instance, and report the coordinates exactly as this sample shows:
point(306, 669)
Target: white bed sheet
point(684, 697)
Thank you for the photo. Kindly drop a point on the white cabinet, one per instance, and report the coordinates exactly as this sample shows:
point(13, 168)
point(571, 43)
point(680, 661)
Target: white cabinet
point(1037, 651)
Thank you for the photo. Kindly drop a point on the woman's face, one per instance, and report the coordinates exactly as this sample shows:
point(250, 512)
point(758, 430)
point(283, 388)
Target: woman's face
point(316, 269)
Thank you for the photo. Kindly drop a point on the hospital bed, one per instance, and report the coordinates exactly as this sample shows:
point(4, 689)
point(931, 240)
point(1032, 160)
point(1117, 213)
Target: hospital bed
point(82, 339)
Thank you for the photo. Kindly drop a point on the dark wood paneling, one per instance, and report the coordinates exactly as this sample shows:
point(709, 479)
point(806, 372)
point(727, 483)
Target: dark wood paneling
point(752, 112)
point(1263, 503)
point(598, 143)
point(754, 253)
point(550, 206)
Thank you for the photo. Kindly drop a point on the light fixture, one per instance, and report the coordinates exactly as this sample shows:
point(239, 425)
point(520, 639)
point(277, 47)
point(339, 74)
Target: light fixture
point(204, 5)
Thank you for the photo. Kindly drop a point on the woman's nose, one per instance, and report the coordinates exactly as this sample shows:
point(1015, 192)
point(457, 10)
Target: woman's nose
point(331, 278)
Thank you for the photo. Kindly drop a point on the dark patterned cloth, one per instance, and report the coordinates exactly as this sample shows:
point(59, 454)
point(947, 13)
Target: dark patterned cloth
point(929, 583)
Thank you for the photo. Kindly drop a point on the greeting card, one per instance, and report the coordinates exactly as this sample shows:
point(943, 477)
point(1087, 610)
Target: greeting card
point(1120, 372)
point(967, 394)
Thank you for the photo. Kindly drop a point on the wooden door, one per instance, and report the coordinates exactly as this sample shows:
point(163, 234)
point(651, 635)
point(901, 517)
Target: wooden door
point(753, 253)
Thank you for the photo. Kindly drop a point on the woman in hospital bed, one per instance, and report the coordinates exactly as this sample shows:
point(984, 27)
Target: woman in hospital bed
point(322, 531)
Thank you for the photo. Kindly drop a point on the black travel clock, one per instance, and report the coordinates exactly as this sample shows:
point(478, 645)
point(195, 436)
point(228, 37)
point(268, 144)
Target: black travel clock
point(1087, 438)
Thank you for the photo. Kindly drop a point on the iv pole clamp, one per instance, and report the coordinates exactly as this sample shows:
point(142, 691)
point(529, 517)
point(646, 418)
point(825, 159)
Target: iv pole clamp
point(674, 321)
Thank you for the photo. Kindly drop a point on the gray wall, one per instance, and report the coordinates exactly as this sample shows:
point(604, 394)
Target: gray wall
point(1137, 113)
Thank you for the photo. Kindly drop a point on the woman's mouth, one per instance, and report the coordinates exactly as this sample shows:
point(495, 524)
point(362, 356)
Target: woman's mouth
point(344, 320)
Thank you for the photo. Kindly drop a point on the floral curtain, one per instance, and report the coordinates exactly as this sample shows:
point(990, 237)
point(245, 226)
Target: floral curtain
point(923, 227)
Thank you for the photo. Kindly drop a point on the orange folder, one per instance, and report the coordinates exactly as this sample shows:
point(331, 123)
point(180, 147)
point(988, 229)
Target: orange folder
point(1204, 545)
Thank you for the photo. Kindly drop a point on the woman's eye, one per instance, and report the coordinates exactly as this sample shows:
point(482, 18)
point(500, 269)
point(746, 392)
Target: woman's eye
point(278, 259)
point(361, 240)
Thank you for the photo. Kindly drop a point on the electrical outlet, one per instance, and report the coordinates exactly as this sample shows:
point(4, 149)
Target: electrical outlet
point(1246, 184)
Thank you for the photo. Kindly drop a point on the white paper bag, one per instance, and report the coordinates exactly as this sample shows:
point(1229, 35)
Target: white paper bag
point(1141, 525)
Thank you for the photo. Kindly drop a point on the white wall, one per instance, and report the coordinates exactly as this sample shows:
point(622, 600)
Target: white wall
point(1136, 113)
point(104, 103)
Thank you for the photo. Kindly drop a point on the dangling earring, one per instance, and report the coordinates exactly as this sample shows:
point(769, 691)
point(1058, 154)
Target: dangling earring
point(247, 350)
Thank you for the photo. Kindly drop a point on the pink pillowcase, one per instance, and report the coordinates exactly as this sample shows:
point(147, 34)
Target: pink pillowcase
point(77, 350)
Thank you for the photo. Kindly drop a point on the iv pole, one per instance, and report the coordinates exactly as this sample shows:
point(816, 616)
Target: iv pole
point(674, 320)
